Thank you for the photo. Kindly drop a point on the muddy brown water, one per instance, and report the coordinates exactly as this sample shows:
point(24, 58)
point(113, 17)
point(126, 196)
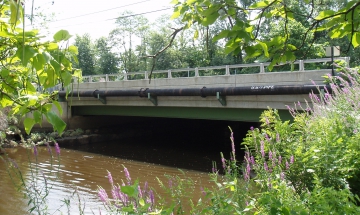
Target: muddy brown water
point(154, 149)
point(83, 171)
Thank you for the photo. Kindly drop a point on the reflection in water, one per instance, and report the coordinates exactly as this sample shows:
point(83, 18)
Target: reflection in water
point(77, 177)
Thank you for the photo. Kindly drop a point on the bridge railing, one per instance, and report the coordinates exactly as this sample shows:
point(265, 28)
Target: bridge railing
point(208, 71)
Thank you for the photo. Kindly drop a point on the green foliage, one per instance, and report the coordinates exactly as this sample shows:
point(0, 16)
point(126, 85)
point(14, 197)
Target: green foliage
point(86, 55)
point(29, 67)
point(281, 30)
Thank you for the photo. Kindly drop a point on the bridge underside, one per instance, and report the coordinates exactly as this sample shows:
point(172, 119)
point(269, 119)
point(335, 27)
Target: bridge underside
point(230, 114)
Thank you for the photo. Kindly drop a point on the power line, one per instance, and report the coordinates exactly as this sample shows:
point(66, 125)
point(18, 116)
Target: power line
point(119, 17)
point(100, 11)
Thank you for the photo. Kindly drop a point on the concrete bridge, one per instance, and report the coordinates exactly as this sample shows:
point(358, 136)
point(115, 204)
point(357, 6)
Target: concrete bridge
point(216, 93)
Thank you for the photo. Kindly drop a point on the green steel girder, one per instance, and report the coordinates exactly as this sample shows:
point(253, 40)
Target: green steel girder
point(230, 114)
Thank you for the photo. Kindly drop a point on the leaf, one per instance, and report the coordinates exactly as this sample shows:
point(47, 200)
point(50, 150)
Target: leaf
point(128, 190)
point(210, 19)
point(39, 61)
point(73, 49)
point(141, 202)
point(265, 48)
point(30, 87)
point(325, 14)
point(221, 35)
point(259, 5)
point(61, 35)
point(58, 106)
point(52, 46)
point(16, 12)
point(58, 124)
point(356, 39)
point(47, 57)
point(25, 53)
point(37, 116)
point(190, 1)
point(47, 108)
point(28, 124)
point(175, 15)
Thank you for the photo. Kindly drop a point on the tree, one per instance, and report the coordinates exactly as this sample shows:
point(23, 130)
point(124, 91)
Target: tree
point(29, 67)
point(86, 54)
point(129, 28)
point(339, 21)
point(106, 61)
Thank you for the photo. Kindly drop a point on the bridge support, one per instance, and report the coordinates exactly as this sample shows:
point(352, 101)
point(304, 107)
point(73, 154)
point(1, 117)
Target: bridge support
point(222, 99)
point(153, 99)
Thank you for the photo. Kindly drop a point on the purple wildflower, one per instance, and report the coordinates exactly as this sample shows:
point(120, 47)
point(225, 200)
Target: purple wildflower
point(170, 183)
point(287, 166)
point(35, 151)
point(48, 148)
point(232, 144)
point(13, 163)
point(267, 121)
point(262, 148)
point(252, 128)
point(269, 185)
point(248, 168)
point(127, 175)
point(267, 137)
point(57, 149)
point(103, 195)
point(223, 161)
point(270, 155)
point(282, 176)
point(203, 191)
point(113, 193)
point(279, 159)
point(292, 159)
point(252, 159)
point(266, 166)
point(152, 198)
point(213, 170)
point(139, 190)
point(110, 178)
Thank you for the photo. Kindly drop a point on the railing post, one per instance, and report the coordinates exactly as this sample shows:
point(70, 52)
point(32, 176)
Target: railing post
point(196, 72)
point(146, 75)
point(125, 76)
point(227, 70)
point(90, 79)
point(347, 60)
point(169, 74)
point(107, 78)
point(262, 68)
point(301, 65)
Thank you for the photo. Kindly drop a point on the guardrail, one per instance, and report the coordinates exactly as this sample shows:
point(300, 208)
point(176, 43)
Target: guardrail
point(203, 71)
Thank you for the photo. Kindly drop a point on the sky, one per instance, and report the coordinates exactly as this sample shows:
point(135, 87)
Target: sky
point(95, 17)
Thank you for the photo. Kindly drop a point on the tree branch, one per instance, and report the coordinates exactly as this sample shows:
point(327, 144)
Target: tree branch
point(173, 35)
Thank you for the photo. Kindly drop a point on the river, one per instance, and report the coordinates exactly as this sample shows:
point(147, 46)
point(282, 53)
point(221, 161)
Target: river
point(82, 172)
point(83, 168)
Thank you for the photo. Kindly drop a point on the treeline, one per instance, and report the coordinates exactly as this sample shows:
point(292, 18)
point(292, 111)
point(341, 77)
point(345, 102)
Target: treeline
point(130, 46)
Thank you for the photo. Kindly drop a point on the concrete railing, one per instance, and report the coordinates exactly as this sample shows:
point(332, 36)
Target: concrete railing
point(202, 71)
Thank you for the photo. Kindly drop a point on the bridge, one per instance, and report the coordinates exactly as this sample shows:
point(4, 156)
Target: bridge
point(216, 93)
